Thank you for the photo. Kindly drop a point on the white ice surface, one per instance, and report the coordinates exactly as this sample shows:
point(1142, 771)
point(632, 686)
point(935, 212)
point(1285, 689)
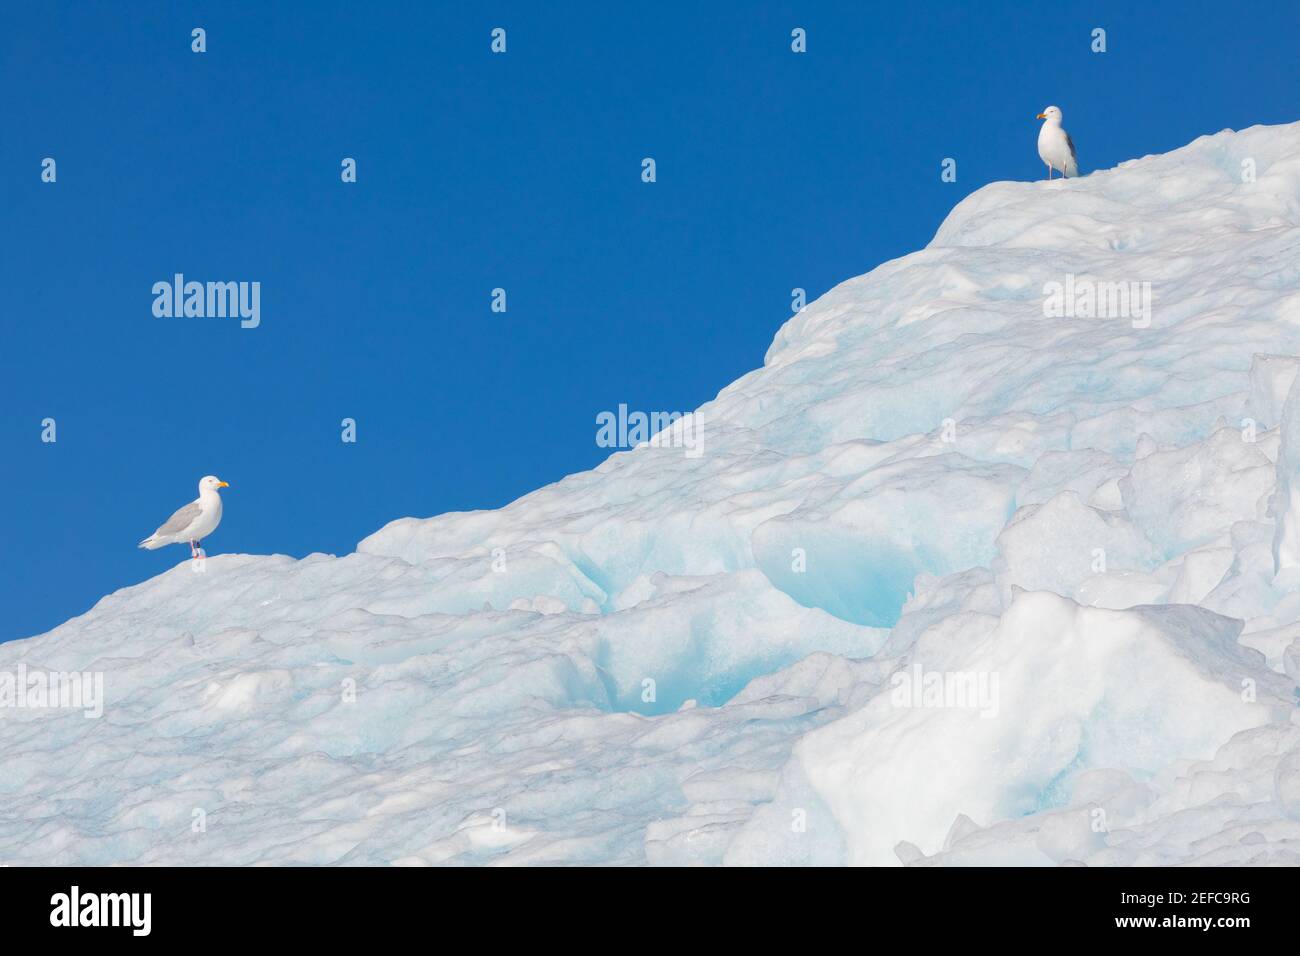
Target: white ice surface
point(676, 659)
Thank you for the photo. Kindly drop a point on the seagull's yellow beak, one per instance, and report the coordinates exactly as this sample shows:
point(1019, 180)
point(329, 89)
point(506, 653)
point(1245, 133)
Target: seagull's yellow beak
point(223, 484)
point(1042, 116)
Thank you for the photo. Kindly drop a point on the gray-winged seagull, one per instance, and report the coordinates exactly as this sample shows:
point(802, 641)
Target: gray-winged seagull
point(1054, 144)
point(194, 522)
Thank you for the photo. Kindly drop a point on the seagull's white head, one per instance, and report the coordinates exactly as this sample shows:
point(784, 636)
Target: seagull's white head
point(211, 483)
point(1052, 114)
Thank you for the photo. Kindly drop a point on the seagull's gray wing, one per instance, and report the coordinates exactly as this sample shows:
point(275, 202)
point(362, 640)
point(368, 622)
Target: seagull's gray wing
point(181, 520)
point(1070, 143)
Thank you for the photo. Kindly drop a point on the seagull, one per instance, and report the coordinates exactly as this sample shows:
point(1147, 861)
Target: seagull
point(194, 522)
point(1054, 144)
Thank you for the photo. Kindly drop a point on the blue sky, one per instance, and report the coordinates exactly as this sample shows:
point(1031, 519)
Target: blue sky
point(477, 171)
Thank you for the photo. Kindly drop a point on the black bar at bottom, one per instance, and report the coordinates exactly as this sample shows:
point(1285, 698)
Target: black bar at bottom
point(339, 905)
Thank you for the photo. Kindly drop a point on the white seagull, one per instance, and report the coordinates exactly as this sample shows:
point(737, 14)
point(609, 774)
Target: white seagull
point(1054, 144)
point(194, 522)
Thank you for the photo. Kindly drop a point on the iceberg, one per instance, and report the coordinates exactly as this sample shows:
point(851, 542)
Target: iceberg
point(992, 562)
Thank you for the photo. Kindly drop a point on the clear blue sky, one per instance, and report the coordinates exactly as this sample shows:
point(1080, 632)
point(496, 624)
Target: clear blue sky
point(475, 171)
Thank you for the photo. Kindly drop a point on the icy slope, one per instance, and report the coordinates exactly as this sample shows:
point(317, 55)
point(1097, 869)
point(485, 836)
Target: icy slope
point(985, 564)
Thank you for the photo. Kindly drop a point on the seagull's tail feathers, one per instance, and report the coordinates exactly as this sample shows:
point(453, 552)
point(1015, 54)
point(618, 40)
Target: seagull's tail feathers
point(1071, 169)
point(151, 543)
